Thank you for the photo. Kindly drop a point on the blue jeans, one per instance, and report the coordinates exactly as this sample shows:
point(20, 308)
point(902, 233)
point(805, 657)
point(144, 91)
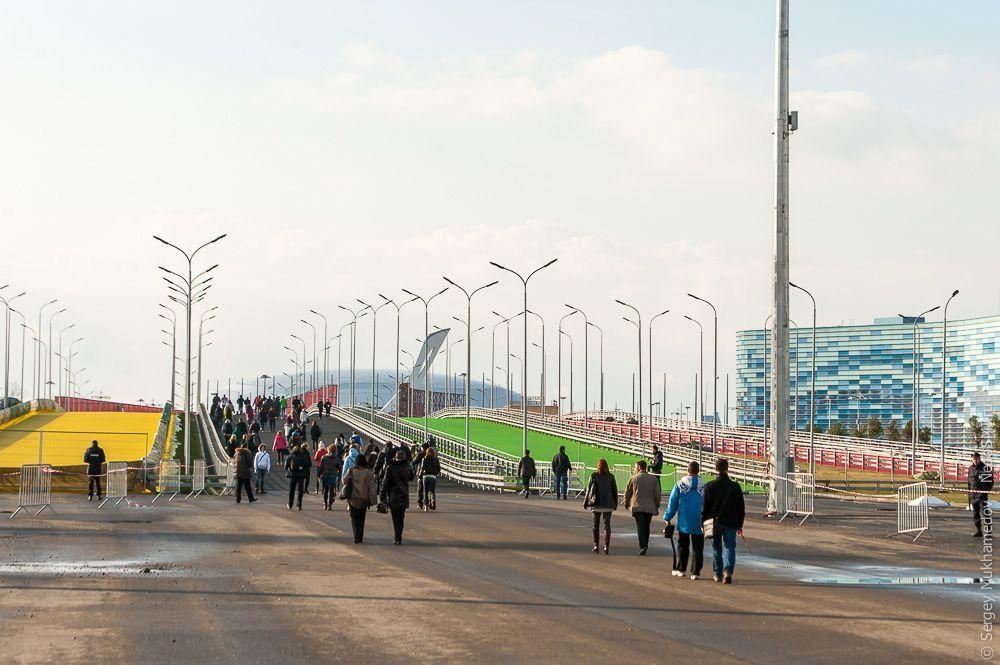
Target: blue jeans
point(723, 550)
point(261, 475)
point(562, 484)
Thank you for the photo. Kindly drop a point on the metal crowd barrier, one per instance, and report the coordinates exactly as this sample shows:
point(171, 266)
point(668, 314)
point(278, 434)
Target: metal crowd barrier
point(35, 490)
point(800, 494)
point(197, 478)
point(116, 483)
point(169, 480)
point(230, 478)
point(911, 509)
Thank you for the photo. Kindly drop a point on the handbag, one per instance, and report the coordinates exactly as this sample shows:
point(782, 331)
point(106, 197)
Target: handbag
point(347, 487)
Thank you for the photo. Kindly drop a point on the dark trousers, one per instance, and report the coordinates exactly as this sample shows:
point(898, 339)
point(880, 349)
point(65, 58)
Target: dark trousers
point(430, 491)
point(241, 484)
point(398, 516)
point(602, 517)
point(96, 481)
point(358, 522)
point(526, 481)
point(296, 486)
point(642, 521)
point(329, 488)
point(978, 505)
point(420, 492)
point(685, 541)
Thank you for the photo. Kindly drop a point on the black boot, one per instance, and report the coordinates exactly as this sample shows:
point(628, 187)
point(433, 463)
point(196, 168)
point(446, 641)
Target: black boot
point(597, 540)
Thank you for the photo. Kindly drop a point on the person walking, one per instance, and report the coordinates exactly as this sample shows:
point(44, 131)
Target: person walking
point(656, 465)
point(561, 467)
point(358, 489)
point(980, 481)
point(724, 511)
point(396, 492)
point(428, 471)
point(297, 467)
point(642, 498)
point(244, 473)
point(329, 470)
point(280, 446)
point(317, 458)
point(602, 499)
point(315, 432)
point(261, 464)
point(94, 458)
point(526, 472)
point(685, 502)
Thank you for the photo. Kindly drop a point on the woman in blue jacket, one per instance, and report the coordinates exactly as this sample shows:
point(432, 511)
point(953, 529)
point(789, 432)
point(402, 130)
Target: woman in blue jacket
point(685, 503)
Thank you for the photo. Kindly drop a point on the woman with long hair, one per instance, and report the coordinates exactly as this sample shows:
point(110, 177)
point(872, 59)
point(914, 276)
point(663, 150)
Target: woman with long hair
point(359, 491)
point(602, 499)
point(430, 467)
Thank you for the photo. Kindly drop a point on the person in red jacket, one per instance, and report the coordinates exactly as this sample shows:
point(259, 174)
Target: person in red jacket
point(317, 460)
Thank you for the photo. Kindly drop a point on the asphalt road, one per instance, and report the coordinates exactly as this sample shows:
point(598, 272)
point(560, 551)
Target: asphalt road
point(486, 578)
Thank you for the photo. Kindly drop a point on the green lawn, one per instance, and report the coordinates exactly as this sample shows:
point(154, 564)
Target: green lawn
point(543, 447)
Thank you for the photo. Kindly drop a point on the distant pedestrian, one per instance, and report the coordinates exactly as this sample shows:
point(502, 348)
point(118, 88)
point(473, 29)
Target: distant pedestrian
point(280, 446)
point(329, 408)
point(297, 466)
point(980, 481)
point(358, 489)
point(428, 471)
point(396, 492)
point(656, 465)
point(317, 458)
point(94, 458)
point(685, 502)
point(724, 510)
point(329, 471)
point(526, 472)
point(602, 499)
point(261, 464)
point(642, 498)
point(244, 473)
point(561, 467)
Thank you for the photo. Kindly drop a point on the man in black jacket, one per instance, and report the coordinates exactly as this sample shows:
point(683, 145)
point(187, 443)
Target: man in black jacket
point(723, 503)
point(979, 476)
point(526, 471)
point(656, 467)
point(94, 458)
point(560, 472)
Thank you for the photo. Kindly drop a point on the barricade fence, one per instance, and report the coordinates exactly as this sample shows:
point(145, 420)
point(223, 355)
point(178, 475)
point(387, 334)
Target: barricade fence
point(800, 493)
point(230, 478)
point(169, 479)
point(35, 488)
point(912, 509)
point(116, 484)
point(197, 478)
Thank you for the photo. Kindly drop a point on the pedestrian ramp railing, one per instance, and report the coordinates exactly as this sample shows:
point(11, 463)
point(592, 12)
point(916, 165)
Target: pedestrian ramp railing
point(168, 480)
point(912, 516)
point(197, 479)
point(800, 494)
point(35, 489)
point(116, 483)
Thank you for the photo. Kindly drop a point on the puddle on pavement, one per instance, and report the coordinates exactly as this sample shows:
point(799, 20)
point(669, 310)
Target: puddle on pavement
point(87, 569)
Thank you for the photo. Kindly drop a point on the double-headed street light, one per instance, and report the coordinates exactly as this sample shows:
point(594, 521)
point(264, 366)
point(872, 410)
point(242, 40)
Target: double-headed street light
point(48, 356)
point(915, 427)
point(326, 356)
point(374, 339)
point(586, 363)
point(399, 307)
point(524, 373)
point(559, 335)
point(701, 370)
point(812, 378)
point(305, 384)
point(427, 350)
point(312, 377)
point(601, 363)
point(715, 369)
point(504, 320)
point(944, 379)
point(650, 335)
point(355, 315)
point(39, 358)
point(205, 316)
point(6, 348)
point(638, 324)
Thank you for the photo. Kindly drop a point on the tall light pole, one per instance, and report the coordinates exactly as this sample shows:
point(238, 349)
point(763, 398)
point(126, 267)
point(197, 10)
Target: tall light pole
point(524, 372)
point(70, 354)
point(638, 324)
point(326, 354)
point(812, 379)
point(399, 307)
point(190, 295)
point(544, 374)
point(506, 321)
point(427, 349)
point(6, 347)
point(354, 334)
point(701, 369)
point(601, 368)
point(559, 335)
point(173, 352)
point(24, 326)
point(468, 353)
point(654, 318)
point(201, 323)
point(295, 362)
point(39, 363)
point(944, 380)
point(374, 325)
point(49, 352)
point(312, 378)
point(305, 356)
point(715, 369)
point(915, 426)
point(586, 357)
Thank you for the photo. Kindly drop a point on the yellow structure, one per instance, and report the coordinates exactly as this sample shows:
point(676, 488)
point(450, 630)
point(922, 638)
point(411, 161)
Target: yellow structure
point(60, 439)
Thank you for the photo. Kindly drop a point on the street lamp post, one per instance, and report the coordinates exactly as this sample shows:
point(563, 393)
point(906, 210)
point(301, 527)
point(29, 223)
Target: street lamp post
point(638, 327)
point(601, 368)
point(312, 377)
point(544, 374)
point(326, 354)
point(24, 326)
point(374, 327)
point(468, 354)
point(915, 420)
point(201, 323)
point(190, 295)
point(586, 358)
point(812, 379)
point(650, 327)
point(524, 373)
point(305, 357)
point(559, 336)
point(944, 380)
point(399, 307)
point(49, 352)
point(701, 370)
point(6, 348)
point(39, 389)
point(506, 321)
point(715, 370)
point(354, 334)
point(427, 349)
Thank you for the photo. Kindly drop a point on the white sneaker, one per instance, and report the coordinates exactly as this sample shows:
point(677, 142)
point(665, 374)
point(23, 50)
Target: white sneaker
point(677, 573)
point(694, 577)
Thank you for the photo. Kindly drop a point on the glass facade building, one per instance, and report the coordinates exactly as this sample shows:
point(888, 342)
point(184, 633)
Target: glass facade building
point(867, 370)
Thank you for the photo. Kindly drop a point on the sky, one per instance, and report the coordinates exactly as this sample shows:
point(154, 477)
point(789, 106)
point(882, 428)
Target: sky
point(352, 149)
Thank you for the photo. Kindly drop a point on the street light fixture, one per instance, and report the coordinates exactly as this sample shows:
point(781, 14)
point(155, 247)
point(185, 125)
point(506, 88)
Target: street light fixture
point(915, 427)
point(715, 369)
point(944, 380)
point(812, 378)
point(427, 349)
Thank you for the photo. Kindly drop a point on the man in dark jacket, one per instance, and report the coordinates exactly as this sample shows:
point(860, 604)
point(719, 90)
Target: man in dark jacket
point(297, 465)
point(244, 473)
point(315, 432)
point(723, 503)
point(526, 471)
point(94, 458)
point(656, 467)
point(979, 480)
point(396, 492)
point(560, 471)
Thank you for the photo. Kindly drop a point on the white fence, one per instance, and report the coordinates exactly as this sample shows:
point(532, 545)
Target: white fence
point(116, 485)
point(35, 490)
point(911, 509)
point(800, 494)
point(169, 480)
point(622, 473)
point(197, 479)
point(230, 478)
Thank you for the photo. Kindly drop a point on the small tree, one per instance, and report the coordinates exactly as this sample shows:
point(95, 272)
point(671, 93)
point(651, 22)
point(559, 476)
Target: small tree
point(873, 428)
point(856, 432)
point(924, 435)
point(976, 428)
point(892, 431)
point(816, 428)
point(836, 429)
point(908, 431)
point(995, 424)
